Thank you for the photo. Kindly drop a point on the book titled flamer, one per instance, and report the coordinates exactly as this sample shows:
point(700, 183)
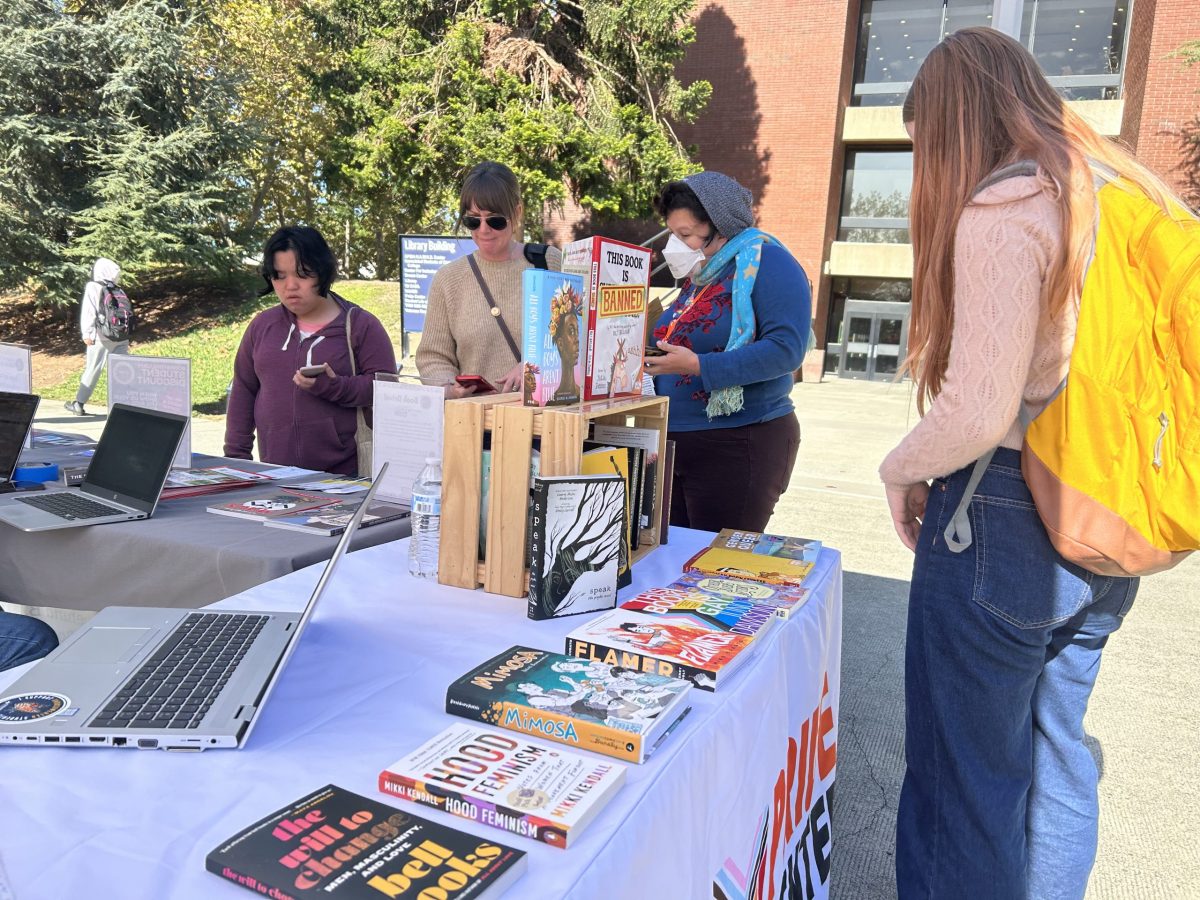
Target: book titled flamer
point(335, 843)
point(705, 655)
point(611, 709)
point(749, 566)
point(497, 778)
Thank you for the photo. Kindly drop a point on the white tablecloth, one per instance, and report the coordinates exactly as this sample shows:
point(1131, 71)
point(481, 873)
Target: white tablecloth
point(738, 789)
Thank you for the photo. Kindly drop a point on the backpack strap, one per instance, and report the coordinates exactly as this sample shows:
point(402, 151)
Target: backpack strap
point(958, 532)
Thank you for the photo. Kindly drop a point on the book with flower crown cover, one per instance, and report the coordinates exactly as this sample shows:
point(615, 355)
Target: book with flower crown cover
point(551, 340)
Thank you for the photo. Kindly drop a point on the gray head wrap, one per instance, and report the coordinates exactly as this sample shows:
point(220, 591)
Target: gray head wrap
point(728, 204)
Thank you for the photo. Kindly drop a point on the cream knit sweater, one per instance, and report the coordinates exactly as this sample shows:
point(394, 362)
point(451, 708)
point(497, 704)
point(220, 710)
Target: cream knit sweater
point(1005, 345)
point(461, 337)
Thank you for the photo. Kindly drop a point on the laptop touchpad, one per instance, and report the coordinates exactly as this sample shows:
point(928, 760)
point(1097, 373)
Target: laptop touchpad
point(106, 645)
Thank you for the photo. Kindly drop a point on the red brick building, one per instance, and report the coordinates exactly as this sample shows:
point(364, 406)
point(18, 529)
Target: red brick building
point(805, 112)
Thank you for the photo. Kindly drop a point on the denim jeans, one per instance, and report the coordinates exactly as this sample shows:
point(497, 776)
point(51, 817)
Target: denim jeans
point(1004, 640)
point(23, 639)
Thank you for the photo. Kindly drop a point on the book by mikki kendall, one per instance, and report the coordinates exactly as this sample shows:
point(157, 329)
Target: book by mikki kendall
point(609, 709)
point(616, 275)
point(536, 790)
point(335, 843)
point(705, 655)
point(576, 526)
point(551, 348)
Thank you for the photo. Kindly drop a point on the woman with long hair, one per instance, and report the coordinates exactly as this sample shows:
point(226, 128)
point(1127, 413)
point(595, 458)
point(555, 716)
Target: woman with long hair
point(1004, 637)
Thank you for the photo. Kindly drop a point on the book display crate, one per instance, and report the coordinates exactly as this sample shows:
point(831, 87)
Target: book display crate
point(561, 431)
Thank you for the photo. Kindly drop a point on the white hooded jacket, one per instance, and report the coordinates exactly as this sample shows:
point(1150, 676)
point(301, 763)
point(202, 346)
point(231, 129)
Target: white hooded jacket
point(103, 270)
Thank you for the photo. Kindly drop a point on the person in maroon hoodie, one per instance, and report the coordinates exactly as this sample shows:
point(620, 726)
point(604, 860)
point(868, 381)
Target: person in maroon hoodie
point(301, 420)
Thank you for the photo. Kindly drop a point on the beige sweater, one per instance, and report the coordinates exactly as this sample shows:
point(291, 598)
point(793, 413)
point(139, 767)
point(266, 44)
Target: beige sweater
point(1005, 346)
point(461, 337)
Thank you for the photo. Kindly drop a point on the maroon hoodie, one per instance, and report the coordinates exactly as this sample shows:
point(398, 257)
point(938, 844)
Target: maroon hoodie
point(313, 429)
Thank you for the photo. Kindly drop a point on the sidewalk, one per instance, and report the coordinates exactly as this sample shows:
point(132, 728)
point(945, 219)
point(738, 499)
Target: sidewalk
point(1143, 713)
point(1144, 710)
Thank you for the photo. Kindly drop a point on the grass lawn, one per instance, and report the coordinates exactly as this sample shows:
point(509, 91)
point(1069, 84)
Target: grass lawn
point(213, 345)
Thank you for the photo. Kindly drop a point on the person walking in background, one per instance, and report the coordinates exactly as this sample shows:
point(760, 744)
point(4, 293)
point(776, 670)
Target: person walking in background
point(105, 320)
point(729, 345)
point(476, 303)
point(1004, 636)
point(307, 365)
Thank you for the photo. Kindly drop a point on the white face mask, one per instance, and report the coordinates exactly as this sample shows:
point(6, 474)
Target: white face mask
point(681, 259)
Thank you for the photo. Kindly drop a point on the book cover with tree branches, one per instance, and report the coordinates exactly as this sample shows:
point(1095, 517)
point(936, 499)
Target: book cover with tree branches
point(575, 544)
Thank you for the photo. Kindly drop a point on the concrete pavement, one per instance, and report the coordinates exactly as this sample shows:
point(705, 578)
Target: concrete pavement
point(1143, 713)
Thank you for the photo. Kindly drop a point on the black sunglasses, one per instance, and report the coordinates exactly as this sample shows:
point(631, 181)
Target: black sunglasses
point(496, 223)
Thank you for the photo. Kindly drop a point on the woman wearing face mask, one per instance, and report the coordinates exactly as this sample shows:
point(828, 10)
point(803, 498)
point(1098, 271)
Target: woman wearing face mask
point(307, 420)
point(476, 303)
point(730, 344)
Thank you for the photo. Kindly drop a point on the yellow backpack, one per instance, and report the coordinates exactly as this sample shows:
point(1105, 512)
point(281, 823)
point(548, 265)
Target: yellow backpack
point(1113, 460)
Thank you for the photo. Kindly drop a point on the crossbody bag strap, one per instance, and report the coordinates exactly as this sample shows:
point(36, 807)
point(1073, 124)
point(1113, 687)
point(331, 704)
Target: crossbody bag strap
point(493, 308)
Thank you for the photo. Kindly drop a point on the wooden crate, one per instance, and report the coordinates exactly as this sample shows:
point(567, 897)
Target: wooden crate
point(562, 430)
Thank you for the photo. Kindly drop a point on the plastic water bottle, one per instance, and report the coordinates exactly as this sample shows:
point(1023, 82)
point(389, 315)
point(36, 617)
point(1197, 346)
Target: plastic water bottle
point(426, 520)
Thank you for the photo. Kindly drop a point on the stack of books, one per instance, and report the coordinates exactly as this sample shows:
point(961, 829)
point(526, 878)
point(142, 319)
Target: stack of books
point(312, 513)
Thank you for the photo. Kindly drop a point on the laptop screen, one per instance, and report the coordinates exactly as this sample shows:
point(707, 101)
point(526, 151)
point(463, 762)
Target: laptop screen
point(16, 415)
point(134, 454)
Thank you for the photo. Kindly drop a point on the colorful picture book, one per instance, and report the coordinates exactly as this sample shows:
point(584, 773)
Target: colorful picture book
point(335, 843)
point(749, 566)
point(504, 780)
point(768, 544)
point(333, 520)
point(784, 598)
point(616, 275)
point(704, 655)
point(282, 502)
point(551, 348)
point(617, 710)
point(576, 527)
point(685, 605)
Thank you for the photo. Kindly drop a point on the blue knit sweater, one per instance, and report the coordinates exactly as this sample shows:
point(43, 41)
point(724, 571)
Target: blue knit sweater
point(764, 367)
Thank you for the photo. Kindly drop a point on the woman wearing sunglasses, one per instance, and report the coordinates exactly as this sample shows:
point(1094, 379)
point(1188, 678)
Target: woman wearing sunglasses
point(729, 344)
point(473, 320)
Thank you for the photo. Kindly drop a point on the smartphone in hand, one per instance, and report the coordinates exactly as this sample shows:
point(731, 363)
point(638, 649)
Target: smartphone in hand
point(481, 384)
point(654, 351)
point(312, 371)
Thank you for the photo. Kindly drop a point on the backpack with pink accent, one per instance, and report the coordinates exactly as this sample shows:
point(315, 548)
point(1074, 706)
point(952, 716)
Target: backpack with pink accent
point(114, 312)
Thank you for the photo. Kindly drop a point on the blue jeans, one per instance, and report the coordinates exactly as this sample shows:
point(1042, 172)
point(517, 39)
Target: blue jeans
point(23, 639)
point(1004, 640)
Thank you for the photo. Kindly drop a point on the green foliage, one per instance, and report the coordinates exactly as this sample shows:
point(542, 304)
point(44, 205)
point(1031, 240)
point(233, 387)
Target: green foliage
point(120, 138)
point(574, 97)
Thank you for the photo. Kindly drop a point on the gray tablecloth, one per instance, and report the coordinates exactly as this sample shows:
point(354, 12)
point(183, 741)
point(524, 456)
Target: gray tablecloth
point(181, 557)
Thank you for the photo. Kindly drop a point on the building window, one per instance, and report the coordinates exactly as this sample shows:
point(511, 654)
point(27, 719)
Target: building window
point(1080, 44)
point(894, 37)
point(875, 197)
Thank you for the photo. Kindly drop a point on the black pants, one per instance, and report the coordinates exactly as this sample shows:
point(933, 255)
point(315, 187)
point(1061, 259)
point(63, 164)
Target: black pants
point(732, 477)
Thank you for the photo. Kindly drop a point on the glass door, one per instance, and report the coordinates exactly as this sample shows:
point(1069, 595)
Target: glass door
point(874, 340)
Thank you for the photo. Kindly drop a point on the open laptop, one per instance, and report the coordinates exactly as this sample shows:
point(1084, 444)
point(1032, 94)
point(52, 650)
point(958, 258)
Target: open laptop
point(167, 679)
point(16, 418)
point(123, 481)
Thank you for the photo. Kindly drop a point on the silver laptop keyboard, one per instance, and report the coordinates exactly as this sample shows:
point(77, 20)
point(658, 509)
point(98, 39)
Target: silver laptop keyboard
point(178, 684)
point(71, 506)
